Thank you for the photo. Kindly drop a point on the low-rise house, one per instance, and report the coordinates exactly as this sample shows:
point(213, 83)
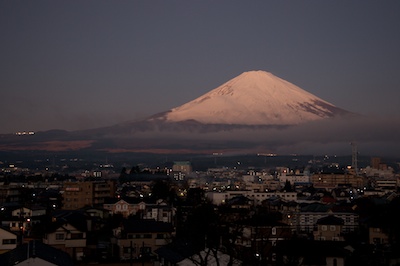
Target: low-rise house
point(377, 236)
point(96, 212)
point(309, 214)
point(161, 211)
point(240, 202)
point(329, 228)
point(16, 224)
point(125, 206)
point(260, 234)
point(8, 240)
point(138, 238)
point(342, 194)
point(26, 212)
point(68, 232)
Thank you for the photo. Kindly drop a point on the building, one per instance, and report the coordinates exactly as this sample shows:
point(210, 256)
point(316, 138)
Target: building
point(125, 206)
point(87, 193)
point(377, 163)
point(330, 180)
point(329, 228)
point(219, 198)
point(68, 232)
point(29, 212)
point(160, 211)
point(8, 240)
point(377, 236)
point(260, 236)
point(183, 167)
point(140, 238)
point(306, 221)
point(294, 179)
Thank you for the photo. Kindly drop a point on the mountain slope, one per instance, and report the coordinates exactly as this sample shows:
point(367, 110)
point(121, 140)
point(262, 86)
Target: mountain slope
point(253, 98)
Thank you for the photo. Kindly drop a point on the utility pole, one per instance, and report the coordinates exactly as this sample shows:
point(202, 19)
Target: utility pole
point(131, 254)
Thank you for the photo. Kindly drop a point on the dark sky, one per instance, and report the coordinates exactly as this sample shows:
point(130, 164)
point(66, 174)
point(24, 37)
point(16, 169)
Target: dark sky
point(83, 64)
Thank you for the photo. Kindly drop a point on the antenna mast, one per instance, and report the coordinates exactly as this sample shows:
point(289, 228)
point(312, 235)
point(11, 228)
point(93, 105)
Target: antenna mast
point(354, 158)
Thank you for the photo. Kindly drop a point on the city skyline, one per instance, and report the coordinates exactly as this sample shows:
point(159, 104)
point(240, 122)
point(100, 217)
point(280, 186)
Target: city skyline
point(81, 65)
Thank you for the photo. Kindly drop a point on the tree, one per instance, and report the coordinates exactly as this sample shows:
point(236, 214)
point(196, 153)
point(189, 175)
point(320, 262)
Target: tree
point(135, 170)
point(161, 190)
point(195, 196)
point(288, 186)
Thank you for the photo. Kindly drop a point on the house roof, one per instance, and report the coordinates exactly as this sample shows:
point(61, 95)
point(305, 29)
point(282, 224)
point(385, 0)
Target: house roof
point(176, 251)
point(146, 226)
point(316, 207)
point(75, 218)
point(330, 220)
point(239, 200)
point(35, 249)
point(7, 230)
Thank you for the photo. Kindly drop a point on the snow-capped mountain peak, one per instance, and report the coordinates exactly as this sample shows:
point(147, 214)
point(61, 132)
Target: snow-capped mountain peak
point(254, 98)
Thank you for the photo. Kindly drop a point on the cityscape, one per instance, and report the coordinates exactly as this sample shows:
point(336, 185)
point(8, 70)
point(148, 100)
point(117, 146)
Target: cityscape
point(262, 209)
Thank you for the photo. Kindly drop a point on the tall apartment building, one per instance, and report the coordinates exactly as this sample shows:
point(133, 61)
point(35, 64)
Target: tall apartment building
point(375, 162)
point(87, 193)
point(332, 180)
point(184, 167)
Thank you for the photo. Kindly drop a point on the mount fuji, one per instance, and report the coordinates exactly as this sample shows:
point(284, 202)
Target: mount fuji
point(254, 98)
point(255, 109)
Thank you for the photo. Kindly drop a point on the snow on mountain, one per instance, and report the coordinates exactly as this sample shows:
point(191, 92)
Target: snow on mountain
point(254, 98)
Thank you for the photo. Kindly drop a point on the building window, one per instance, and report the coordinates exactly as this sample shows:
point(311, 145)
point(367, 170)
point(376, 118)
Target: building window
point(324, 228)
point(76, 235)
point(9, 241)
point(332, 228)
point(273, 230)
point(377, 240)
point(127, 250)
point(145, 250)
point(60, 236)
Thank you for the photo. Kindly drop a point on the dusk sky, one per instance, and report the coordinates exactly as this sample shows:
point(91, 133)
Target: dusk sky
point(84, 64)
